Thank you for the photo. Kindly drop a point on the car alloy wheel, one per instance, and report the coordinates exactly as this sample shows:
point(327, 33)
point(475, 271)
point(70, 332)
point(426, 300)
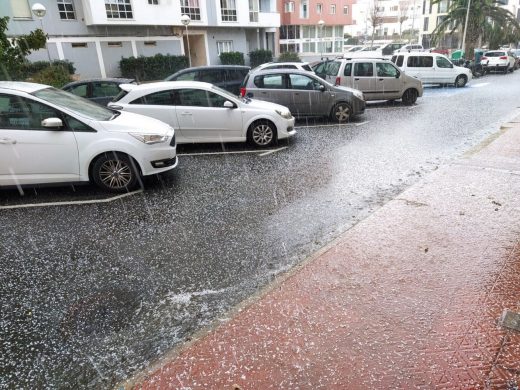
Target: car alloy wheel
point(341, 112)
point(460, 81)
point(115, 172)
point(262, 134)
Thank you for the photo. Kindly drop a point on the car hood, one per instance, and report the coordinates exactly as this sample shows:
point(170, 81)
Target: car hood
point(340, 88)
point(128, 122)
point(263, 105)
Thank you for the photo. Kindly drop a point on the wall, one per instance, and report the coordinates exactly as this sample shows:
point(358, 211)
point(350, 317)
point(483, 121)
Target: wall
point(237, 35)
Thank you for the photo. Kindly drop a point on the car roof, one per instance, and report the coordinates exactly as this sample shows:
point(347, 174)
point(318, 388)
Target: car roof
point(211, 67)
point(285, 63)
point(22, 86)
point(278, 71)
point(164, 84)
point(419, 53)
point(95, 79)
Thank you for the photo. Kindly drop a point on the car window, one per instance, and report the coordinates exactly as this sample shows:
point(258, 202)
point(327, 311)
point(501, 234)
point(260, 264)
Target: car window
point(211, 76)
point(161, 98)
point(384, 69)
point(188, 76)
point(443, 62)
point(495, 54)
point(307, 68)
point(104, 89)
point(420, 62)
point(363, 69)
point(270, 81)
point(400, 60)
point(289, 67)
point(193, 98)
point(79, 90)
point(234, 75)
point(24, 114)
point(348, 69)
point(332, 68)
point(319, 68)
point(76, 125)
point(298, 81)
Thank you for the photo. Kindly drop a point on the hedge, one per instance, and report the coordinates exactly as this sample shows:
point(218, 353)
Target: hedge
point(289, 57)
point(157, 67)
point(56, 75)
point(232, 58)
point(27, 70)
point(260, 56)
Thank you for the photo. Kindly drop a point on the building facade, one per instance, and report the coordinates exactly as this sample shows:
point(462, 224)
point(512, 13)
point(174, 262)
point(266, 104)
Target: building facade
point(301, 32)
point(96, 34)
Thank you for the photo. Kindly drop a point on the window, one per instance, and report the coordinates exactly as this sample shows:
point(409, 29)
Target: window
point(24, 114)
point(348, 69)
point(384, 69)
point(308, 31)
point(363, 69)
point(394, 8)
point(333, 9)
point(150, 43)
point(332, 68)
point(309, 47)
point(66, 10)
point(420, 62)
point(212, 76)
point(118, 9)
point(443, 62)
point(188, 76)
point(289, 6)
point(426, 21)
point(304, 11)
point(228, 11)
point(345, 10)
point(253, 10)
point(79, 44)
point(193, 98)
point(399, 61)
point(153, 2)
point(440, 19)
point(191, 8)
point(79, 90)
point(301, 82)
point(21, 9)
point(271, 81)
point(443, 6)
point(319, 8)
point(290, 32)
point(224, 46)
point(104, 89)
point(162, 98)
point(115, 44)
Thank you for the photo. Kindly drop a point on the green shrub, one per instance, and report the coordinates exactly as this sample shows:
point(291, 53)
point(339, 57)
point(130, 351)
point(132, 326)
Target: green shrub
point(35, 67)
point(232, 58)
point(260, 56)
point(55, 75)
point(156, 67)
point(289, 57)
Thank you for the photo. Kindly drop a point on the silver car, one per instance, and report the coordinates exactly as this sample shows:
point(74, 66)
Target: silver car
point(304, 94)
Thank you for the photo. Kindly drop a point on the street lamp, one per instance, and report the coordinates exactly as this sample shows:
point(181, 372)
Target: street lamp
point(465, 29)
point(321, 23)
point(39, 11)
point(185, 19)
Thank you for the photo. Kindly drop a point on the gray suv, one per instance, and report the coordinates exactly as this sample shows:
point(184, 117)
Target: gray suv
point(304, 93)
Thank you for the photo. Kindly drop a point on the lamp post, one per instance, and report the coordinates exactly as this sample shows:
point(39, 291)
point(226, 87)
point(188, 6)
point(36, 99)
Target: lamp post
point(465, 29)
point(39, 11)
point(321, 23)
point(185, 19)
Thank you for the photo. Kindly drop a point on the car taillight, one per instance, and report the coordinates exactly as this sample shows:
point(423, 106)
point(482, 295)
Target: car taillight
point(242, 92)
point(483, 58)
point(503, 57)
point(338, 81)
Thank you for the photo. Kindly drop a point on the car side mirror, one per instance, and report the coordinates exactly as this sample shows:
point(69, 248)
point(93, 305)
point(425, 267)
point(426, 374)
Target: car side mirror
point(322, 88)
point(228, 104)
point(397, 75)
point(52, 123)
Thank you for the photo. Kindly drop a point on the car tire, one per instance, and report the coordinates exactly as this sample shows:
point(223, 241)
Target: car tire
point(115, 172)
point(506, 70)
point(460, 81)
point(262, 134)
point(409, 96)
point(341, 113)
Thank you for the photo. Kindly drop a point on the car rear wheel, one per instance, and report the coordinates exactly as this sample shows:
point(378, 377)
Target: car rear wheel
point(115, 172)
point(341, 113)
point(460, 81)
point(262, 133)
point(409, 97)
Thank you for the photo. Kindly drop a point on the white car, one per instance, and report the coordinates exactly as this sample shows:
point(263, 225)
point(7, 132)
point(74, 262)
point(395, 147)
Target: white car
point(51, 136)
point(498, 61)
point(201, 112)
point(284, 65)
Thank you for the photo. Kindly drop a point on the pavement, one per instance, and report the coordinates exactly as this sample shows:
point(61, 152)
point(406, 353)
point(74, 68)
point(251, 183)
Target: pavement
point(410, 297)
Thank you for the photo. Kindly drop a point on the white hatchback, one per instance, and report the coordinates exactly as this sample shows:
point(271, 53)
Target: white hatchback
point(51, 136)
point(202, 113)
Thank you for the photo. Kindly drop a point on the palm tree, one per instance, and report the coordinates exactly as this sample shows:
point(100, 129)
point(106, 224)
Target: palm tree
point(483, 14)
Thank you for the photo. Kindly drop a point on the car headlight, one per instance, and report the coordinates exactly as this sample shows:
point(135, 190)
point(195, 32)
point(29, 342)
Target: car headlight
point(150, 139)
point(286, 114)
point(359, 95)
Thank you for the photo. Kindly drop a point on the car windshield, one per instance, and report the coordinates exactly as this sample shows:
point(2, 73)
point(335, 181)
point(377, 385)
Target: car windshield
point(75, 103)
point(223, 92)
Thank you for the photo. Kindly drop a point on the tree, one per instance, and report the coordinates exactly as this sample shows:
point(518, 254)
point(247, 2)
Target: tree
point(483, 15)
point(375, 17)
point(402, 17)
point(13, 51)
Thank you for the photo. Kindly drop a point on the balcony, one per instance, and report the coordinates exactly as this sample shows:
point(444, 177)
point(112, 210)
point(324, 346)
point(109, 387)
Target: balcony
point(268, 19)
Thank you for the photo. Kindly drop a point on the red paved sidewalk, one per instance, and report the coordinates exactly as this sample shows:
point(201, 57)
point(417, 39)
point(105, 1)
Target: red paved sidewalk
point(408, 298)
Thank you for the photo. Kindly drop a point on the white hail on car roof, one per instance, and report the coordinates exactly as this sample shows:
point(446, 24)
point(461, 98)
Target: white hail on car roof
point(22, 86)
point(164, 84)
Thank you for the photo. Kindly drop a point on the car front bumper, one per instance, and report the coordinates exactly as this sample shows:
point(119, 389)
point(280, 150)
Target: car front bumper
point(286, 128)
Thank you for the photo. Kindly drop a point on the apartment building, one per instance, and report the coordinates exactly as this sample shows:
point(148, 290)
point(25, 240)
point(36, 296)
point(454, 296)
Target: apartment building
point(96, 34)
point(301, 30)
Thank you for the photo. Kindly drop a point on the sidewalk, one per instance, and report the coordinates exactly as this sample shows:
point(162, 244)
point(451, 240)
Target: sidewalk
point(408, 298)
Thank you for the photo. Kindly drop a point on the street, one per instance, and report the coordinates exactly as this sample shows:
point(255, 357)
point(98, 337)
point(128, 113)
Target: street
point(98, 287)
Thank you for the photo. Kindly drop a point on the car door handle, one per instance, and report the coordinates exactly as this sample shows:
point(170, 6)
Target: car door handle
point(297, 94)
point(381, 79)
point(356, 79)
point(186, 113)
point(7, 141)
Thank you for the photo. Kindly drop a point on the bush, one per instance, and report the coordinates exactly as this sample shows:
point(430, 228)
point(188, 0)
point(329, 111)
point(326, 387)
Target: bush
point(289, 57)
point(232, 58)
point(260, 56)
point(55, 75)
point(156, 67)
point(28, 70)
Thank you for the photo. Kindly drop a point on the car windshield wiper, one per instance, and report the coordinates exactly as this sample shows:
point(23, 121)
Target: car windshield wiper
point(115, 115)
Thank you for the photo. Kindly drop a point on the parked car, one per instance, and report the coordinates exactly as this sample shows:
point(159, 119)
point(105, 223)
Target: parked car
point(377, 78)
point(498, 61)
point(51, 136)
point(432, 68)
point(228, 77)
point(516, 54)
point(389, 48)
point(354, 48)
point(304, 93)
point(202, 112)
point(410, 49)
point(320, 68)
point(284, 65)
point(98, 90)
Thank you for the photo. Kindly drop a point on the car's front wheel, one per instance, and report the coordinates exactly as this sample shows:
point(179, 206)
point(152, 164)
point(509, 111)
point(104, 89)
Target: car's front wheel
point(341, 113)
point(409, 96)
point(262, 133)
point(460, 81)
point(115, 172)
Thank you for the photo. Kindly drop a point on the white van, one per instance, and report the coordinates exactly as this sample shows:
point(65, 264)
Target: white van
point(432, 68)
